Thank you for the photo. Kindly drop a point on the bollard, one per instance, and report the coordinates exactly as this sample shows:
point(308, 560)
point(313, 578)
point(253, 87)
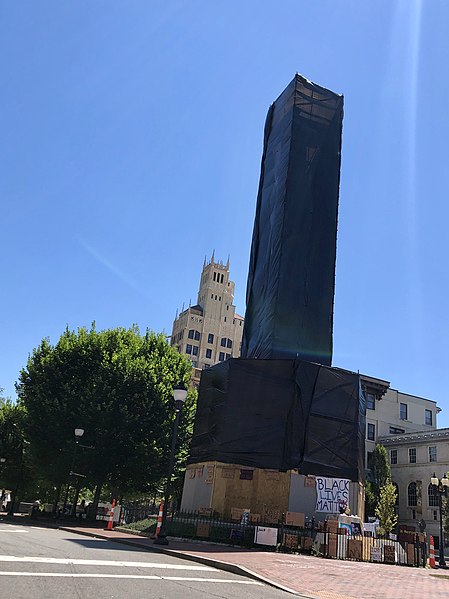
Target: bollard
point(159, 520)
point(432, 553)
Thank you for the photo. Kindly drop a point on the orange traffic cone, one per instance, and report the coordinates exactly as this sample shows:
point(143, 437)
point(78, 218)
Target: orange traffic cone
point(431, 553)
point(111, 515)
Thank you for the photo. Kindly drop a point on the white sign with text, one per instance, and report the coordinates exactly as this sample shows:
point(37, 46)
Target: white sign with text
point(331, 494)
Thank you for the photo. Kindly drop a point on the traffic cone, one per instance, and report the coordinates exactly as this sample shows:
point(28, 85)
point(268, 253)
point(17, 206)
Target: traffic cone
point(111, 515)
point(159, 520)
point(431, 553)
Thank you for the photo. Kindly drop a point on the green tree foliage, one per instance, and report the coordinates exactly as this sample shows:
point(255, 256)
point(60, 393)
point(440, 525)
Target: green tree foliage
point(115, 384)
point(12, 440)
point(385, 509)
point(380, 468)
point(370, 499)
point(380, 475)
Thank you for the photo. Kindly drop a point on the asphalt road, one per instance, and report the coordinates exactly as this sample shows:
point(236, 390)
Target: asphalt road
point(42, 563)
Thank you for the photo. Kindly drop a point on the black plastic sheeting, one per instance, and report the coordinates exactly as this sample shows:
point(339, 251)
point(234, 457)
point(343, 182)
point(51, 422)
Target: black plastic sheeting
point(281, 414)
point(290, 291)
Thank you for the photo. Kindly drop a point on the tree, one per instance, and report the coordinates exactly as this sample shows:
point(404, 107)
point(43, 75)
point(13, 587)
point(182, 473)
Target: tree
point(12, 444)
point(117, 385)
point(380, 474)
point(385, 509)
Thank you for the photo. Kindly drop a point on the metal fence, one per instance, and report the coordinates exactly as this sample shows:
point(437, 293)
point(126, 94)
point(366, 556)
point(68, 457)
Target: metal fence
point(411, 552)
point(192, 525)
point(336, 543)
point(133, 512)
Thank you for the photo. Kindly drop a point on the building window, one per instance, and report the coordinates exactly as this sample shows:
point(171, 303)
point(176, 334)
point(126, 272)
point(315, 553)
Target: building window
point(188, 349)
point(191, 334)
point(195, 350)
point(370, 401)
point(435, 515)
point(412, 455)
point(371, 432)
point(212, 296)
point(222, 277)
point(225, 318)
point(228, 356)
point(210, 338)
point(412, 495)
point(413, 514)
point(428, 417)
point(227, 306)
point(197, 336)
point(223, 342)
point(222, 357)
point(403, 411)
point(432, 496)
point(432, 454)
point(393, 456)
point(208, 353)
point(215, 297)
point(394, 430)
point(215, 276)
point(229, 343)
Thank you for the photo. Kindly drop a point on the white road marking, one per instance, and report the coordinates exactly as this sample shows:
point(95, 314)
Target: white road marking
point(134, 577)
point(15, 530)
point(101, 562)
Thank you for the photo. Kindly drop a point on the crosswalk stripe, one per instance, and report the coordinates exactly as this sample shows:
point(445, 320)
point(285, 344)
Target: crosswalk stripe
point(128, 576)
point(101, 562)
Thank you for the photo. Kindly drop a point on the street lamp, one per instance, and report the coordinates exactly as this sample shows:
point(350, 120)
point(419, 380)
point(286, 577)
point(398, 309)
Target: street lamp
point(180, 394)
point(441, 485)
point(79, 432)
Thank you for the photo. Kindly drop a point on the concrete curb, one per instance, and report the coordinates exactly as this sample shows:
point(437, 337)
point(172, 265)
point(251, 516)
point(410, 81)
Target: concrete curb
point(207, 561)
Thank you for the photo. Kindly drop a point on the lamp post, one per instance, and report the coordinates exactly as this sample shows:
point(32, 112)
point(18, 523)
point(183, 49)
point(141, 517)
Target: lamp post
point(180, 394)
point(441, 485)
point(79, 432)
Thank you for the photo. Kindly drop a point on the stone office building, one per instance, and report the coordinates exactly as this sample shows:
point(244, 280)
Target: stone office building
point(211, 330)
point(415, 458)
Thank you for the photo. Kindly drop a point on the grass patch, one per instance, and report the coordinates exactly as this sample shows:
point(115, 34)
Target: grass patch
point(147, 526)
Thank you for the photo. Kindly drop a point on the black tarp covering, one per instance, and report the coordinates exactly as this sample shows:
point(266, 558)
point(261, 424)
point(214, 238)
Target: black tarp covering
point(290, 290)
point(281, 414)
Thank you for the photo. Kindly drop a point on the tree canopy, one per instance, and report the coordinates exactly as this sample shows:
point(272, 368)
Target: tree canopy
point(115, 384)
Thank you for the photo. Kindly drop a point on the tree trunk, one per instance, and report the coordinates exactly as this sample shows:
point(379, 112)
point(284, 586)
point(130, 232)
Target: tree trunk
point(92, 511)
point(75, 499)
point(56, 498)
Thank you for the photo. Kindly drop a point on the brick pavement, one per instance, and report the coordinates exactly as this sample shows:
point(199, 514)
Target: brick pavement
point(308, 576)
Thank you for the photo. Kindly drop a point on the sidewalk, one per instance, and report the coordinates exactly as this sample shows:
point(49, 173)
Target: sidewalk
point(306, 576)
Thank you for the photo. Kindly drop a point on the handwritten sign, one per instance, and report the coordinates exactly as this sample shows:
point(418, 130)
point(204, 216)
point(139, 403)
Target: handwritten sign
point(331, 493)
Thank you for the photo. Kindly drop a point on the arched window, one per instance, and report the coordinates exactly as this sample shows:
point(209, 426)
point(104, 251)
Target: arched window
point(432, 496)
point(412, 495)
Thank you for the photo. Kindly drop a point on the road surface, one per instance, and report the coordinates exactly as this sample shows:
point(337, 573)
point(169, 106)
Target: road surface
point(48, 563)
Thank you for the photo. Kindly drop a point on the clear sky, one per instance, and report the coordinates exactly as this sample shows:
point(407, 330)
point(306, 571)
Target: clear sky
point(131, 144)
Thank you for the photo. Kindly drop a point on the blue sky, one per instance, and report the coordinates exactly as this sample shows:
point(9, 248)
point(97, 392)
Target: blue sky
point(130, 127)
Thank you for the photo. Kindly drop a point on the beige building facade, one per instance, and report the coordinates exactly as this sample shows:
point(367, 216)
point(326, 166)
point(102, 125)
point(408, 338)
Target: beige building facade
point(415, 458)
point(211, 331)
point(390, 412)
